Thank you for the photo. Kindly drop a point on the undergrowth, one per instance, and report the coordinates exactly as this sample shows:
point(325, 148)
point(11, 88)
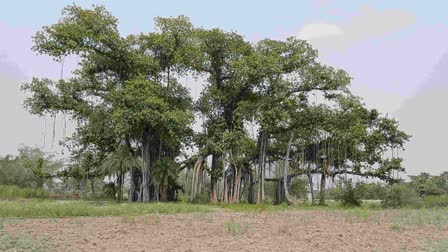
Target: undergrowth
point(59, 208)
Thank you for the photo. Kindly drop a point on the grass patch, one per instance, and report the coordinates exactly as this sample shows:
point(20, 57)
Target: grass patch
point(396, 227)
point(434, 202)
point(23, 242)
point(15, 192)
point(235, 228)
point(359, 213)
point(244, 207)
point(415, 217)
point(57, 209)
point(439, 246)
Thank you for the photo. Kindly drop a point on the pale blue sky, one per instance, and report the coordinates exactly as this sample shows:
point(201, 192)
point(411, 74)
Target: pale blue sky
point(396, 52)
point(248, 17)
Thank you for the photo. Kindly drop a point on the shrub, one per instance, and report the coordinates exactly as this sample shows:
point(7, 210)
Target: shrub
point(434, 201)
point(299, 188)
point(109, 190)
point(346, 194)
point(56, 209)
point(350, 196)
point(12, 192)
point(370, 191)
point(400, 196)
point(202, 197)
point(236, 228)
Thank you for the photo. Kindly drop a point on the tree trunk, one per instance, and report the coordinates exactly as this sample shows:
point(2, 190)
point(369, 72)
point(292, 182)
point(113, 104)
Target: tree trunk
point(225, 191)
point(92, 184)
point(120, 185)
point(285, 170)
point(136, 181)
point(261, 168)
point(322, 183)
point(193, 174)
point(146, 181)
point(201, 180)
point(140, 190)
point(214, 178)
point(224, 184)
point(156, 192)
point(279, 191)
point(163, 192)
point(322, 190)
point(131, 186)
point(236, 185)
point(310, 181)
point(250, 189)
point(195, 179)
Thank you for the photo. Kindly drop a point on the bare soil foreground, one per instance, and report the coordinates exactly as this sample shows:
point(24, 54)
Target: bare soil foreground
point(232, 231)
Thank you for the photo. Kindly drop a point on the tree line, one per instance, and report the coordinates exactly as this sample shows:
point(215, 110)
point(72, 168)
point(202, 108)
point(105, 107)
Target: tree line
point(264, 104)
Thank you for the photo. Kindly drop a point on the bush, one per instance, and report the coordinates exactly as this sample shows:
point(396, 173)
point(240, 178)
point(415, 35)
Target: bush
point(55, 209)
point(13, 192)
point(434, 201)
point(350, 196)
point(400, 196)
point(346, 194)
point(299, 188)
point(109, 190)
point(202, 197)
point(370, 191)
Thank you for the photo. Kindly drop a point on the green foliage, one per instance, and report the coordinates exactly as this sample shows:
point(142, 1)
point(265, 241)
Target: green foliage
point(126, 92)
point(235, 228)
point(439, 246)
point(23, 242)
point(350, 195)
point(427, 185)
point(58, 209)
point(31, 168)
point(347, 194)
point(14, 192)
point(299, 189)
point(110, 190)
point(13, 173)
point(202, 197)
point(244, 207)
point(400, 196)
point(418, 217)
point(370, 191)
point(166, 172)
point(120, 161)
point(434, 201)
point(414, 194)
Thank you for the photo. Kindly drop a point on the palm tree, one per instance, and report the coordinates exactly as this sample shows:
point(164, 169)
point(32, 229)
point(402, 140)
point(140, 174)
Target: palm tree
point(117, 164)
point(165, 173)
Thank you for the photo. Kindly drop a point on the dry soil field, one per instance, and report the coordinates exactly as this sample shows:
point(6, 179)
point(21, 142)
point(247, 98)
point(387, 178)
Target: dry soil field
point(222, 230)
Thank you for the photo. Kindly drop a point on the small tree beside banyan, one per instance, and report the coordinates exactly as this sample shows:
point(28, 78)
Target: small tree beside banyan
point(270, 111)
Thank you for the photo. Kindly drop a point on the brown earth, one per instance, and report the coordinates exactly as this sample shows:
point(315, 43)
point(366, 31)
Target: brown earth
point(231, 231)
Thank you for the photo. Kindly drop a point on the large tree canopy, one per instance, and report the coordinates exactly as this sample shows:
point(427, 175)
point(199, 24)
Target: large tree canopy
point(258, 106)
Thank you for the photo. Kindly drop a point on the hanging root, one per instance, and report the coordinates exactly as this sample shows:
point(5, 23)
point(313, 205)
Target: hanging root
point(64, 129)
point(45, 131)
point(54, 131)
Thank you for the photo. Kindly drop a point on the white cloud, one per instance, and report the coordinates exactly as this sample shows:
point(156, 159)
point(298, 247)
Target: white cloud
point(315, 31)
point(364, 24)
